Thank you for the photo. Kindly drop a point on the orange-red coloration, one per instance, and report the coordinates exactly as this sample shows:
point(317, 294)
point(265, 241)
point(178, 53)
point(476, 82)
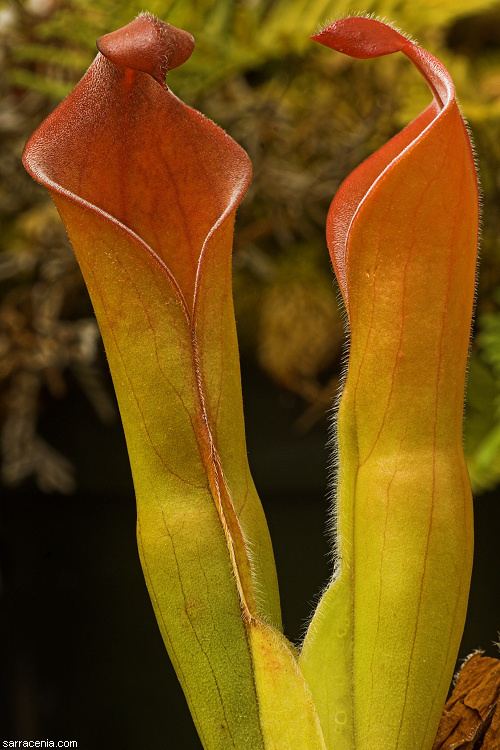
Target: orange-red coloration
point(365, 38)
point(361, 37)
point(148, 189)
point(149, 45)
point(402, 234)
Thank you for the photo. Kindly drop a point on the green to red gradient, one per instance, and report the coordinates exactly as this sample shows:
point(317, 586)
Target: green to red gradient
point(402, 233)
point(148, 189)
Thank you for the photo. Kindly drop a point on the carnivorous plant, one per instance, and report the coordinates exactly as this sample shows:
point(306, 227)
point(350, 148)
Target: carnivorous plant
point(148, 189)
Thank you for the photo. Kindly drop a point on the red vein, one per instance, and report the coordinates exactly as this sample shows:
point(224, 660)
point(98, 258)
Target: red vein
point(195, 633)
point(434, 441)
point(166, 634)
point(381, 567)
point(137, 402)
point(396, 363)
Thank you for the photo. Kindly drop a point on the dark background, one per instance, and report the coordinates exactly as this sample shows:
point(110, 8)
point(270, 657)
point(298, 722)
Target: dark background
point(82, 652)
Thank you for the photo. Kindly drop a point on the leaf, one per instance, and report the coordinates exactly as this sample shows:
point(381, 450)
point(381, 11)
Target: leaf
point(290, 723)
point(148, 190)
point(402, 233)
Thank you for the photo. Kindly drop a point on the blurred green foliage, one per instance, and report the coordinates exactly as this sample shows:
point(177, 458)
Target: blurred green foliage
point(306, 117)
